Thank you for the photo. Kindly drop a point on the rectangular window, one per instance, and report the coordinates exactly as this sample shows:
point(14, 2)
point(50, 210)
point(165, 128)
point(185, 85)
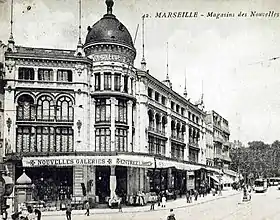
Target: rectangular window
point(64, 75)
point(103, 140)
point(25, 73)
point(150, 92)
point(117, 82)
point(126, 84)
point(103, 110)
point(121, 140)
point(157, 96)
point(182, 111)
point(45, 74)
point(172, 105)
point(163, 100)
point(121, 111)
point(151, 142)
point(107, 81)
point(97, 81)
point(177, 108)
point(131, 84)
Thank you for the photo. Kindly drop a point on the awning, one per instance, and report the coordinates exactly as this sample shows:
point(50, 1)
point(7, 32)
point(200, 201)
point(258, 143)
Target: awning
point(226, 180)
point(214, 170)
point(215, 178)
point(177, 165)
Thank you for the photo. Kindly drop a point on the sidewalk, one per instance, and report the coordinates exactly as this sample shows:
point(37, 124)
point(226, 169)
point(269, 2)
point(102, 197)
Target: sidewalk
point(172, 204)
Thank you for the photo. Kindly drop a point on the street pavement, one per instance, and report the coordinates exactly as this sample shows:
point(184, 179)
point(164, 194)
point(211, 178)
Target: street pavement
point(229, 206)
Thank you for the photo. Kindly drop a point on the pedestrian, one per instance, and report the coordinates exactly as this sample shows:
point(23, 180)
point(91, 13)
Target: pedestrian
point(87, 208)
point(171, 215)
point(188, 196)
point(68, 212)
point(38, 213)
point(30, 213)
point(195, 195)
point(158, 199)
point(163, 201)
point(153, 201)
point(120, 204)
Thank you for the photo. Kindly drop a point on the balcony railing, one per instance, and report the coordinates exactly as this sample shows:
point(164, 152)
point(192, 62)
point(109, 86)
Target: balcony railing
point(177, 137)
point(193, 143)
point(222, 157)
point(219, 139)
point(156, 130)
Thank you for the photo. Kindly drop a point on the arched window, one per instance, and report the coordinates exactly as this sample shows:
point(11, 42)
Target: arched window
point(64, 109)
point(45, 108)
point(25, 108)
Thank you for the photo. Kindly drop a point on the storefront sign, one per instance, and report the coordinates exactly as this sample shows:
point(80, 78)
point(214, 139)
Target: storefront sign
point(177, 165)
point(120, 160)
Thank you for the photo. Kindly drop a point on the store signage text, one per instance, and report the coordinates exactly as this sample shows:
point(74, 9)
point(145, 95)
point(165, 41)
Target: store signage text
point(130, 161)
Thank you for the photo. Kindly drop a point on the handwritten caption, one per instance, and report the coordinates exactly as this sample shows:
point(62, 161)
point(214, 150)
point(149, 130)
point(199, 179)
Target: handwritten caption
point(212, 14)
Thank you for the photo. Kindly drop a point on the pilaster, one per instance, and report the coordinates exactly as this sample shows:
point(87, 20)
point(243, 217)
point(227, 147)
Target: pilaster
point(113, 118)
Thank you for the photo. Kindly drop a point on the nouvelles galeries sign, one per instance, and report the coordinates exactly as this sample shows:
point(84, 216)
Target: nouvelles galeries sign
point(119, 160)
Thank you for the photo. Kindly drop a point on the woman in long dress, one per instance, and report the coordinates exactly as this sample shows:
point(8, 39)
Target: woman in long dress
point(163, 201)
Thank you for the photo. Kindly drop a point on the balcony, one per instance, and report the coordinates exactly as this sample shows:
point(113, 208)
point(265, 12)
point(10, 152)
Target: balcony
point(219, 139)
point(156, 130)
point(177, 137)
point(193, 144)
point(222, 157)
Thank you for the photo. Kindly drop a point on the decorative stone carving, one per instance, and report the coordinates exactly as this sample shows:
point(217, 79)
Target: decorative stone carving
point(10, 64)
point(79, 68)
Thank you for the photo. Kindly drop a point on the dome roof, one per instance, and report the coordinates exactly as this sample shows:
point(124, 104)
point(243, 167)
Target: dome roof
point(24, 179)
point(109, 30)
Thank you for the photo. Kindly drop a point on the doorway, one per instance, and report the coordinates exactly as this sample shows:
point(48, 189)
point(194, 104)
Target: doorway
point(103, 183)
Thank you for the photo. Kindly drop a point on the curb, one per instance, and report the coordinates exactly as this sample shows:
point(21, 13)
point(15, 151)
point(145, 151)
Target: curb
point(116, 211)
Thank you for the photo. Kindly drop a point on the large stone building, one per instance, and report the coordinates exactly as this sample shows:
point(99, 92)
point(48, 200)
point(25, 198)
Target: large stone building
point(221, 145)
point(87, 121)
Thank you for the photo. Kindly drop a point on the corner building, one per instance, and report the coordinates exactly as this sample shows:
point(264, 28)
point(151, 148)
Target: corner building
point(87, 122)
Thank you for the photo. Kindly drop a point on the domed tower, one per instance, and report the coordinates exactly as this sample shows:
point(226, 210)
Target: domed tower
point(110, 47)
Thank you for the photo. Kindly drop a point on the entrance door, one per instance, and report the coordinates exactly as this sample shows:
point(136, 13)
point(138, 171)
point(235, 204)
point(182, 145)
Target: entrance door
point(103, 183)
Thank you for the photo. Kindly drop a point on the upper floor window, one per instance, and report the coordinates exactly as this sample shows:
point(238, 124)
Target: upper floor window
point(172, 105)
point(121, 111)
point(163, 100)
point(25, 108)
point(182, 111)
point(121, 140)
point(107, 81)
point(103, 140)
point(150, 92)
point(64, 109)
point(64, 75)
point(0, 104)
point(177, 108)
point(126, 84)
point(45, 108)
point(25, 73)
point(45, 74)
point(117, 82)
point(157, 96)
point(131, 84)
point(97, 81)
point(103, 110)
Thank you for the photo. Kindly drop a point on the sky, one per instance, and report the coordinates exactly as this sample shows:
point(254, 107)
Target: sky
point(229, 56)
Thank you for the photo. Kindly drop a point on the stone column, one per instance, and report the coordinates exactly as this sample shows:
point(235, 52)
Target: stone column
point(113, 182)
point(113, 118)
point(92, 128)
point(129, 121)
point(122, 83)
point(101, 81)
point(35, 74)
point(169, 178)
point(113, 81)
point(168, 134)
point(92, 179)
point(55, 75)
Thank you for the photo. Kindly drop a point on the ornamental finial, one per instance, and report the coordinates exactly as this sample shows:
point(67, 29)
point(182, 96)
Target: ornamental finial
point(110, 4)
